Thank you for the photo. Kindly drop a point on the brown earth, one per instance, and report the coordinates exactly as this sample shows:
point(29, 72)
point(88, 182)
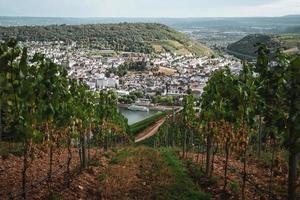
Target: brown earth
point(258, 176)
point(37, 173)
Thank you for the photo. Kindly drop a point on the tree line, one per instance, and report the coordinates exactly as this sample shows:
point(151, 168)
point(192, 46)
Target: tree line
point(126, 37)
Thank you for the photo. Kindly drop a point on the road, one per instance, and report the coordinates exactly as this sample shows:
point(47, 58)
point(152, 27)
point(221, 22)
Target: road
point(152, 130)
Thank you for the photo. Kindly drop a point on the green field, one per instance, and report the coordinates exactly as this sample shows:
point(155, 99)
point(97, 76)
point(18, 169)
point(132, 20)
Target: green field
point(290, 40)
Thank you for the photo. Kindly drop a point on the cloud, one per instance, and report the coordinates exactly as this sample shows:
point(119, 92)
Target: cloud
point(275, 8)
point(148, 8)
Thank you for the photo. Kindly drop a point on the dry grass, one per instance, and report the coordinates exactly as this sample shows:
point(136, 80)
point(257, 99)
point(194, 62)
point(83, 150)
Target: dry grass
point(256, 170)
point(158, 48)
point(166, 71)
point(11, 171)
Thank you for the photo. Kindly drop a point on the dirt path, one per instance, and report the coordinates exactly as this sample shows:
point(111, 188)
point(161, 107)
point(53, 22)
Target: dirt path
point(150, 131)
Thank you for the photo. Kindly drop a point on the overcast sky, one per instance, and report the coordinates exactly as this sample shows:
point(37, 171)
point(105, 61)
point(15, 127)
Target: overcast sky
point(148, 8)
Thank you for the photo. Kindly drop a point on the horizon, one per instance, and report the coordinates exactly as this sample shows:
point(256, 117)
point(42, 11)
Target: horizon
point(162, 17)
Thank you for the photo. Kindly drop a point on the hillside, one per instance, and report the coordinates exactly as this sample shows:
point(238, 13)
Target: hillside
point(246, 47)
point(128, 37)
point(122, 173)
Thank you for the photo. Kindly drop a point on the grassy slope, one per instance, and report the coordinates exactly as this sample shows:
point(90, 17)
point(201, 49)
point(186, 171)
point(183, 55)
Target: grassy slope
point(183, 186)
point(143, 172)
point(181, 46)
point(290, 40)
point(247, 44)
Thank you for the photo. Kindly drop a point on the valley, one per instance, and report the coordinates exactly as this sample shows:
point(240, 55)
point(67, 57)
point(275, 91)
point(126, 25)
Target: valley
point(149, 108)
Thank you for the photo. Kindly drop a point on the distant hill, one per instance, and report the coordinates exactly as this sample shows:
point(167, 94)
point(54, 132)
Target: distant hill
point(292, 16)
point(246, 47)
point(294, 29)
point(128, 37)
point(239, 24)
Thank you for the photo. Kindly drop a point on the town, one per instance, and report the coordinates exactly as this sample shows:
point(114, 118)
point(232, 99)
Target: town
point(163, 78)
point(139, 99)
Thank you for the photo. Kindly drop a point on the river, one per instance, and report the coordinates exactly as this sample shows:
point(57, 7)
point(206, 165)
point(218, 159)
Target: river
point(136, 116)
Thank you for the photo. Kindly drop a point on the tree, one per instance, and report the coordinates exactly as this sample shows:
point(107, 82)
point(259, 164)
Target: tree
point(293, 121)
point(281, 96)
point(41, 106)
point(217, 103)
point(189, 121)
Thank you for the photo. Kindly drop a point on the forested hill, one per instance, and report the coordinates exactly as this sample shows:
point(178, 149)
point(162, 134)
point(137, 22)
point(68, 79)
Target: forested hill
point(129, 37)
point(247, 47)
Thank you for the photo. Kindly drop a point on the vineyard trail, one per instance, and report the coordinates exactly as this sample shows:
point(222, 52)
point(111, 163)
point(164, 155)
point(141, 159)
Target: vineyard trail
point(150, 131)
point(153, 129)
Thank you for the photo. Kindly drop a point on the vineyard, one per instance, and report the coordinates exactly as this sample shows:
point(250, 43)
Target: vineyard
point(60, 140)
point(46, 115)
point(246, 137)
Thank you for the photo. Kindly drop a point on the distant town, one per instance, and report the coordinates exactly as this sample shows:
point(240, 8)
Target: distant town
point(166, 77)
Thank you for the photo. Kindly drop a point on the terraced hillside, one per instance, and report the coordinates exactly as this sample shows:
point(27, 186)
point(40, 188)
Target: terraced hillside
point(128, 37)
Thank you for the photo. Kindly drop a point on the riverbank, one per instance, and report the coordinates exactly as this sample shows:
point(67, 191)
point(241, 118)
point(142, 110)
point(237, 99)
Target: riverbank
point(153, 108)
point(136, 116)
